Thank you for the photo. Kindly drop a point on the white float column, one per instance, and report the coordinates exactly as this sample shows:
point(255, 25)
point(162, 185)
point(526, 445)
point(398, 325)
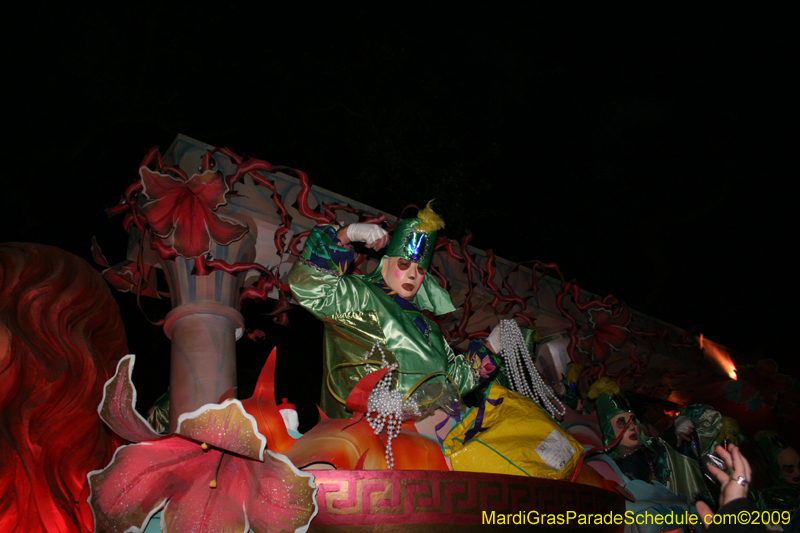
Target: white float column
point(203, 355)
point(204, 325)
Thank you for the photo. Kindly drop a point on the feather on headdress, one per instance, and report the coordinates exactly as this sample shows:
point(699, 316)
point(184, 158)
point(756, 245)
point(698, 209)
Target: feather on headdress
point(429, 220)
point(602, 385)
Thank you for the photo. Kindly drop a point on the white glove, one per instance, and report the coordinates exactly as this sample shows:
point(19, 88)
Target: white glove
point(494, 340)
point(683, 426)
point(367, 233)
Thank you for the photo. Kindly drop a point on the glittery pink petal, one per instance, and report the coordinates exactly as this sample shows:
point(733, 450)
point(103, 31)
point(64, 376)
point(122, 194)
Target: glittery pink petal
point(118, 407)
point(267, 497)
point(282, 498)
point(226, 426)
point(210, 510)
point(141, 477)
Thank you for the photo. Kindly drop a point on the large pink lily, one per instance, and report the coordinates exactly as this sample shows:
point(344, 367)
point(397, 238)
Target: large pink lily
point(213, 475)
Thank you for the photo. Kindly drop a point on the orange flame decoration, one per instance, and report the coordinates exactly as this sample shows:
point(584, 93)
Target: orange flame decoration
point(346, 444)
point(717, 354)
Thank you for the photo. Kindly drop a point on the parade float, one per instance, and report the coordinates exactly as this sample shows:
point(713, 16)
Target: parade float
point(219, 230)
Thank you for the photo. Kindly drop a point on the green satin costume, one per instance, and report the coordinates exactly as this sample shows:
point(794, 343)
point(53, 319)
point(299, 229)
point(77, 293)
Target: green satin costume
point(356, 312)
point(680, 474)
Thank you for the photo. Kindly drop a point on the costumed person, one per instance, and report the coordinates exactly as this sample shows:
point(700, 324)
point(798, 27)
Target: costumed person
point(660, 478)
point(697, 431)
point(375, 321)
point(379, 316)
point(638, 456)
point(784, 473)
point(730, 432)
point(61, 335)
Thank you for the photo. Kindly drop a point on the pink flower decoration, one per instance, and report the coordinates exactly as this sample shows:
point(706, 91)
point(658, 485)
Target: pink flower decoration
point(486, 368)
point(482, 365)
point(231, 483)
point(185, 210)
point(610, 332)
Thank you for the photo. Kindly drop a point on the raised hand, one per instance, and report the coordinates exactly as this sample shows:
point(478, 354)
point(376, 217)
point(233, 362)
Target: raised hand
point(372, 234)
point(733, 485)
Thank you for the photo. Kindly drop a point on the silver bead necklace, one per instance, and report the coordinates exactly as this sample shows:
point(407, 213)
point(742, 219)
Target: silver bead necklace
point(518, 361)
point(388, 405)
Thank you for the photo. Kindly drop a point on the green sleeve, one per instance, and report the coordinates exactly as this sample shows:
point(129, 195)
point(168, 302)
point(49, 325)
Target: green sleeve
point(317, 278)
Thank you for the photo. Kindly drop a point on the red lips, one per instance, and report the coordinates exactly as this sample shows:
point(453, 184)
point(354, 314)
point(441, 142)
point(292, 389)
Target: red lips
point(408, 287)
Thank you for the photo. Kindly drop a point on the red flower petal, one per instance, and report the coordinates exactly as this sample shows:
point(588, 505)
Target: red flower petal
point(269, 497)
point(196, 225)
point(156, 185)
point(165, 194)
point(209, 188)
point(225, 426)
point(118, 407)
point(276, 505)
point(141, 477)
point(224, 231)
point(611, 335)
point(186, 211)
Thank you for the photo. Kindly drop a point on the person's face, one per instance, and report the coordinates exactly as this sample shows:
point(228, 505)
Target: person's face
point(789, 461)
point(403, 276)
point(620, 424)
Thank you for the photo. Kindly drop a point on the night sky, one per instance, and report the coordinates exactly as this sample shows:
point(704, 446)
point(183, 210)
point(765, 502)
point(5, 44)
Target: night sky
point(647, 152)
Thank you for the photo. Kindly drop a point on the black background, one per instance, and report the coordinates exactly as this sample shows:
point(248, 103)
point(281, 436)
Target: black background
point(646, 151)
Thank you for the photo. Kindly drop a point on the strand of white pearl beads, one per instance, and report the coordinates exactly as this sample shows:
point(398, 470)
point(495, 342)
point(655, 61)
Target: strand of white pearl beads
point(387, 404)
point(518, 359)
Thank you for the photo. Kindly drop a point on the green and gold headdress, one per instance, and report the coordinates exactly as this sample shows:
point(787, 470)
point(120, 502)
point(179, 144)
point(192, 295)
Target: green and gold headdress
point(415, 238)
point(610, 402)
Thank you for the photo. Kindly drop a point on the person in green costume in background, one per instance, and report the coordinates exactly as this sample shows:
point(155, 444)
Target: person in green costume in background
point(638, 456)
point(379, 315)
point(644, 466)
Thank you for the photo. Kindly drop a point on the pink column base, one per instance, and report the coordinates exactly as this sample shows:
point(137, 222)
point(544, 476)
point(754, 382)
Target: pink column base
point(203, 362)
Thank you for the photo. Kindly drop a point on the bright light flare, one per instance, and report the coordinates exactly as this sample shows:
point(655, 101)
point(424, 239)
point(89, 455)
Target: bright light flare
point(721, 357)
